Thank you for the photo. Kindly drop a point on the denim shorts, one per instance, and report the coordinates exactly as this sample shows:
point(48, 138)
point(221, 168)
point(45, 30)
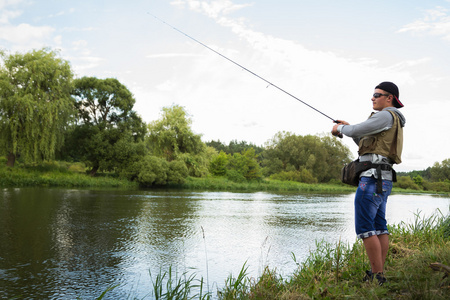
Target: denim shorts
point(370, 207)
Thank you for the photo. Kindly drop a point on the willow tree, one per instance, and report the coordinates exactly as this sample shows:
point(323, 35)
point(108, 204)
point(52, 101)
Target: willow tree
point(172, 138)
point(35, 104)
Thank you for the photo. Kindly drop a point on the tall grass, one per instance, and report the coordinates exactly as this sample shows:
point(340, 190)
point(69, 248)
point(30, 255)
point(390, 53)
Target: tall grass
point(173, 286)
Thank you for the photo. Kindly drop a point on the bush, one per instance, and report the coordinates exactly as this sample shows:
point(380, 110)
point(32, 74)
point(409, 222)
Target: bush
point(300, 176)
point(218, 164)
point(235, 176)
point(153, 171)
point(405, 182)
point(77, 167)
point(442, 186)
point(177, 172)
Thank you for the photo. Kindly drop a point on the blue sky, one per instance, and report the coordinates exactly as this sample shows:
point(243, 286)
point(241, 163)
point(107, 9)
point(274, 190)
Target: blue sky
point(330, 54)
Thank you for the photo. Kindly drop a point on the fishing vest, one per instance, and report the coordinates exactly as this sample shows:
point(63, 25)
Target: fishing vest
point(388, 143)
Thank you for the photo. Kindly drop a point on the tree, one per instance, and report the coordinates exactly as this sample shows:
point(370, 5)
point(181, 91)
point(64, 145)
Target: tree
point(172, 138)
point(246, 164)
point(441, 171)
point(218, 164)
point(35, 104)
point(323, 157)
point(234, 147)
point(107, 132)
point(152, 170)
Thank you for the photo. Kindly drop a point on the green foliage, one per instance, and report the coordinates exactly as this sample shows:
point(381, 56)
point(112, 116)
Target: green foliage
point(441, 171)
point(197, 164)
point(323, 156)
point(35, 104)
point(418, 180)
point(177, 172)
point(234, 147)
point(107, 133)
point(172, 135)
point(172, 138)
point(156, 171)
point(235, 176)
point(57, 174)
point(437, 186)
point(245, 164)
point(218, 164)
point(405, 182)
point(425, 174)
point(300, 176)
point(236, 287)
point(178, 286)
point(153, 171)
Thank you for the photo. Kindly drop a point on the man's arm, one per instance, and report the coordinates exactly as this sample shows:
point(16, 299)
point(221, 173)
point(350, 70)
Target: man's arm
point(380, 121)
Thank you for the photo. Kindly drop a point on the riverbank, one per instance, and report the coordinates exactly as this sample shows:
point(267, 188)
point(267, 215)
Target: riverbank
point(336, 271)
point(64, 175)
point(417, 267)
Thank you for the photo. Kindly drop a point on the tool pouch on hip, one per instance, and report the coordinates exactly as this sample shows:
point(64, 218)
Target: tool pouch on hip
point(351, 171)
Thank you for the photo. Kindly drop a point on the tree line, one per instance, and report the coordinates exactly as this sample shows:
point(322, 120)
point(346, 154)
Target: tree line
point(46, 114)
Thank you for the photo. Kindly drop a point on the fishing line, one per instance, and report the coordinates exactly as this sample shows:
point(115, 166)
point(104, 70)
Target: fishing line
point(241, 66)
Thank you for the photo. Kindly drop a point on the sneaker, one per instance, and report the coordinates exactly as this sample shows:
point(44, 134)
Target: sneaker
point(381, 279)
point(379, 276)
point(368, 276)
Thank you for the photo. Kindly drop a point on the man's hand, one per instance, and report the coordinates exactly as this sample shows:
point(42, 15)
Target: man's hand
point(335, 131)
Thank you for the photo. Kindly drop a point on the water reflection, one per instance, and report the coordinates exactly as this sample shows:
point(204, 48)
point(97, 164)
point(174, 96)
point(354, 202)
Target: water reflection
point(64, 244)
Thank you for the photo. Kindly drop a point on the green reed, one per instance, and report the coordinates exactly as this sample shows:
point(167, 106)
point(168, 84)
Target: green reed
point(173, 286)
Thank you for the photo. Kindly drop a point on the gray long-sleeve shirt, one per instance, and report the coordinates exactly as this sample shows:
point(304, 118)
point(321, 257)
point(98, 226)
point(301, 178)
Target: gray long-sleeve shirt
point(379, 122)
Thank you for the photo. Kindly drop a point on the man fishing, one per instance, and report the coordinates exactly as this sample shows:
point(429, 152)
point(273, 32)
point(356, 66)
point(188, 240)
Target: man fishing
point(380, 141)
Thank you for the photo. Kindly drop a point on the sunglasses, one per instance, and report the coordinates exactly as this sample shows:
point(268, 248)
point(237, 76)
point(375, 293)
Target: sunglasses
point(378, 95)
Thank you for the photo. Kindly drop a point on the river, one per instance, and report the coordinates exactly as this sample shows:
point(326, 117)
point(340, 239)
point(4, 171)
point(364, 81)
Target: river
point(74, 243)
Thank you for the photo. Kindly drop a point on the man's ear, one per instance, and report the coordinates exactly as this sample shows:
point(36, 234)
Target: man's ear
point(390, 98)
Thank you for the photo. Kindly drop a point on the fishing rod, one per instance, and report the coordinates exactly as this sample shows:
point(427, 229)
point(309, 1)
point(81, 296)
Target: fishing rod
point(241, 66)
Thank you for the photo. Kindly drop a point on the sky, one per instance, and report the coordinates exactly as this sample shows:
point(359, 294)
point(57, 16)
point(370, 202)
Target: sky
point(329, 54)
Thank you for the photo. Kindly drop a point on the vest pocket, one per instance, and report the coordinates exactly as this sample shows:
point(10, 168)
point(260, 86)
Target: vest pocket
point(368, 143)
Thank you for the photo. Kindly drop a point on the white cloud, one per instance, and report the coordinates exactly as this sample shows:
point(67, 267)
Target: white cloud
point(83, 63)
point(171, 55)
point(6, 3)
point(211, 8)
point(6, 15)
point(404, 65)
point(435, 22)
point(25, 34)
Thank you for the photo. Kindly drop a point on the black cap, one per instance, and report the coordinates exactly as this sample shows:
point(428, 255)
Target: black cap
point(392, 89)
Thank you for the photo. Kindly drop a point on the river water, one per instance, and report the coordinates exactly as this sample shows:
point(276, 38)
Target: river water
point(71, 243)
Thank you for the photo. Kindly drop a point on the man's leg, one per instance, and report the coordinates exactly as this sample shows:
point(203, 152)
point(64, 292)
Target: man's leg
point(384, 242)
point(374, 252)
point(376, 249)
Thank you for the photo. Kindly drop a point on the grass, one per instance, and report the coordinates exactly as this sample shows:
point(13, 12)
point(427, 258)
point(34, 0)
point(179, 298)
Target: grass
point(336, 271)
point(58, 174)
point(223, 184)
point(74, 175)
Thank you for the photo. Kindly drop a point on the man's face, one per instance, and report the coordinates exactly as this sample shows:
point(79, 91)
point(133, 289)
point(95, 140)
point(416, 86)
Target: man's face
point(383, 100)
